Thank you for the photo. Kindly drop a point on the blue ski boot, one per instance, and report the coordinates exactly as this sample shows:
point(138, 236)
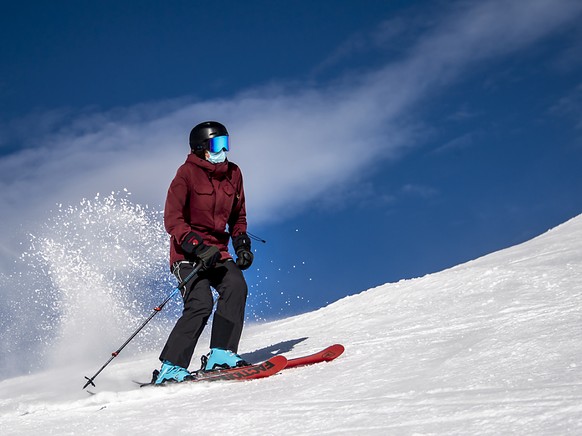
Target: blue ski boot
point(222, 359)
point(172, 373)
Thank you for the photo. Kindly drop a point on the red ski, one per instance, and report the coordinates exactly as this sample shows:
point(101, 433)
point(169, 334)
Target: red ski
point(263, 369)
point(327, 354)
point(251, 372)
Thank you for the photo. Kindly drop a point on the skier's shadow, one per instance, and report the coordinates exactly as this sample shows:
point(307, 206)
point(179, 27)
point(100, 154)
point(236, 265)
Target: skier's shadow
point(268, 352)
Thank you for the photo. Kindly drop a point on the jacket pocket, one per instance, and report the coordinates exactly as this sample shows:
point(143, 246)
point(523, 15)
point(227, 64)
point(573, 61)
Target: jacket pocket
point(202, 198)
point(227, 200)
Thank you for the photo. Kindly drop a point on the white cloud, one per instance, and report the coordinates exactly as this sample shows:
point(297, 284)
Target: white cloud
point(293, 144)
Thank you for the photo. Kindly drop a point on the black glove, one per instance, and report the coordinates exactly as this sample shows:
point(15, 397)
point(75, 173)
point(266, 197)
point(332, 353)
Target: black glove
point(242, 247)
point(193, 246)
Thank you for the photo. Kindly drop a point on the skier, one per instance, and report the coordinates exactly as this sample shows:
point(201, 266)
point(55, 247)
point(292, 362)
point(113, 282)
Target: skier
point(205, 199)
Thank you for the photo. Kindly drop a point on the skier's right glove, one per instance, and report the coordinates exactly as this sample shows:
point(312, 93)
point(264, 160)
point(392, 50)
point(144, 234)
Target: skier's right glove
point(194, 247)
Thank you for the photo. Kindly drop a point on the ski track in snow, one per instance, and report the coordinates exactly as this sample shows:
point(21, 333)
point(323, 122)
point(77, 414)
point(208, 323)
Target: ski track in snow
point(488, 347)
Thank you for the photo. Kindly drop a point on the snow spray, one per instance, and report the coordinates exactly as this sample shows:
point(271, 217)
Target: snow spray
point(91, 273)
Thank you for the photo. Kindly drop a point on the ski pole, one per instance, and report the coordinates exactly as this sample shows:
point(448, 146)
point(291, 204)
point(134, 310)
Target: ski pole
point(156, 310)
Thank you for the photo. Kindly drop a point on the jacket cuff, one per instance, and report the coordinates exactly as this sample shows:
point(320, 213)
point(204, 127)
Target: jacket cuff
point(191, 242)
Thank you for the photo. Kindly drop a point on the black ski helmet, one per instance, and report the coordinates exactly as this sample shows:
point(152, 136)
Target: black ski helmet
point(201, 133)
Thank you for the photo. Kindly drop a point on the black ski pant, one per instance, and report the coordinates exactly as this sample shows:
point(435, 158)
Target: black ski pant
point(227, 279)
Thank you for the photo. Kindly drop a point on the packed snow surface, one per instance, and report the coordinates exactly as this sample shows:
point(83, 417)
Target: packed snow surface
point(488, 347)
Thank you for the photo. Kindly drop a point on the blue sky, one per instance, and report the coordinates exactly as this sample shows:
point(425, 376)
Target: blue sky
point(379, 140)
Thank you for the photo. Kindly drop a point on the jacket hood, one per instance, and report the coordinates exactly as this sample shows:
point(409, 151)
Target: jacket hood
point(217, 171)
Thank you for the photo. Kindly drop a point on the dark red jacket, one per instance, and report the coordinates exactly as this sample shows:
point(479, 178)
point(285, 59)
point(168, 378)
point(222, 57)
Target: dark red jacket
point(205, 198)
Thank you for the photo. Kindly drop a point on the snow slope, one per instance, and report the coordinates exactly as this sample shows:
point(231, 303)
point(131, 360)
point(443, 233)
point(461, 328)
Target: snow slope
point(488, 347)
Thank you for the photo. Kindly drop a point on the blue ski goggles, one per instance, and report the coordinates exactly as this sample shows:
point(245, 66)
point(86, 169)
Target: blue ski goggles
point(217, 144)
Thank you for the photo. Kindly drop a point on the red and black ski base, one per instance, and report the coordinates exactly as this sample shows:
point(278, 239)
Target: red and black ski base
point(251, 372)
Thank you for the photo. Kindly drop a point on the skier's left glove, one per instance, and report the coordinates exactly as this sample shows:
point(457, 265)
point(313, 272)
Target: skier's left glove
point(242, 247)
